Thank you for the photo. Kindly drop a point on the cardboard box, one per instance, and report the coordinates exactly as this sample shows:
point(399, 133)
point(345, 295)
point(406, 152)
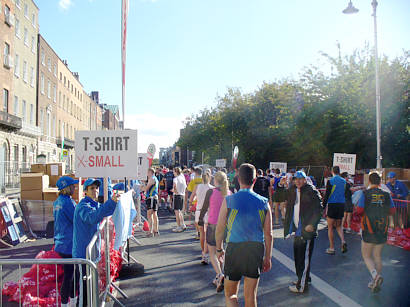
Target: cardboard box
point(50, 194)
point(39, 168)
point(56, 169)
point(33, 181)
point(31, 195)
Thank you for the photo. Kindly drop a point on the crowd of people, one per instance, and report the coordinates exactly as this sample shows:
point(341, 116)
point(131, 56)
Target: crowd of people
point(235, 213)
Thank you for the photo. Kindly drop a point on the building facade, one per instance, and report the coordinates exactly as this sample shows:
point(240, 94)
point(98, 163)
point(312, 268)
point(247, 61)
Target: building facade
point(47, 96)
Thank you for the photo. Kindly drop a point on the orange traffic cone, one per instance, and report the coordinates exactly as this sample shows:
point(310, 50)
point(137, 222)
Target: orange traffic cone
point(146, 226)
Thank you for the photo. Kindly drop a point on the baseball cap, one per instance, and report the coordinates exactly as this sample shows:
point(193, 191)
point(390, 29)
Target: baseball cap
point(91, 181)
point(65, 181)
point(300, 174)
point(391, 175)
point(119, 186)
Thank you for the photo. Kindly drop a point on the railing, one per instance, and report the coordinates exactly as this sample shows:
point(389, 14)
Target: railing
point(9, 121)
point(10, 172)
point(91, 278)
point(401, 217)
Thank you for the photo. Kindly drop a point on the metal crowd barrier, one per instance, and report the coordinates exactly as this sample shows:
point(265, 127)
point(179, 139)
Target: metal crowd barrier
point(401, 216)
point(91, 280)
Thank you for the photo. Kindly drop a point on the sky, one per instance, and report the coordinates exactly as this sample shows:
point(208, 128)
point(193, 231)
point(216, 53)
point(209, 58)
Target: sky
point(182, 54)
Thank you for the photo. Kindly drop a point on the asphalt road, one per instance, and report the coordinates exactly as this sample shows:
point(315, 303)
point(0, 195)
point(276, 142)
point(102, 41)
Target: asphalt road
point(174, 276)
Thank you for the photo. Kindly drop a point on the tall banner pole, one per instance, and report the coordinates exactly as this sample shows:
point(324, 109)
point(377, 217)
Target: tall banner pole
point(124, 17)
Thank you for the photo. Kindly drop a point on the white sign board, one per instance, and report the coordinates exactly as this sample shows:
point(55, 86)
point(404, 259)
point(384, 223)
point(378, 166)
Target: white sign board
point(109, 153)
point(283, 166)
point(346, 162)
point(143, 166)
point(220, 163)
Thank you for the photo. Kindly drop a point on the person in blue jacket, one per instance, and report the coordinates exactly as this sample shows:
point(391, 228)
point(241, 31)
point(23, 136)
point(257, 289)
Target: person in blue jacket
point(398, 189)
point(87, 216)
point(63, 211)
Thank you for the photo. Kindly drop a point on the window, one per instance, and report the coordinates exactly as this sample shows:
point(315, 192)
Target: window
point(16, 105)
point(49, 64)
point(33, 20)
point(55, 70)
point(17, 27)
point(25, 36)
point(71, 107)
point(18, 4)
point(6, 53)
point(5, 100)
point(48, 89)
point(42, 83)
point(43, 57)
point(17, 66)
point(33, 45)
point(71, 88)
point(64, 81)
point(25, 10)
point(59, 99)
point(25, 72)
point(59, 128)
point(6, 11)
point(42, 121)
point(54, 126)
point(32, 77)
point(61, 76)
point(31, 114)
point(68, 84)
point(54, 93)
point(63, 106)
point(24, 111)
point(48, 124)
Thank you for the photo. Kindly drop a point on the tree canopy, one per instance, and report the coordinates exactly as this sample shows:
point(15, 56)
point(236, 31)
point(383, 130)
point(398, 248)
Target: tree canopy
point(306, 120)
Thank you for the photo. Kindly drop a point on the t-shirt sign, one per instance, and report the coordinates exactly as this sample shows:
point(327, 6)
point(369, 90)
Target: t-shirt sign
point(346, 162)
point(109, 153)
point(143, 166)
point(283, 166)
point(220, 163)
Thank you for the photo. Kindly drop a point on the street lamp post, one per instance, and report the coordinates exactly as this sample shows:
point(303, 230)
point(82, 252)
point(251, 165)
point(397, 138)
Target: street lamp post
point(351, 10)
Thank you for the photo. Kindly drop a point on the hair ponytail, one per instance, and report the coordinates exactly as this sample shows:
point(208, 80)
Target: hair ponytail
point(222, 180)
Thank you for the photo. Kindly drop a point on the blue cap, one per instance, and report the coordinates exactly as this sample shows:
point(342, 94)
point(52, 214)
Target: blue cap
point(119, 186)
point(391, 175)
point(65, 181)
point(91, 181)
point(300, 174)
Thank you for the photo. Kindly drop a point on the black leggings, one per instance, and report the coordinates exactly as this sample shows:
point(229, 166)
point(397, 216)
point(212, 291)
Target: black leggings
point(77, 284)
point(67, 287)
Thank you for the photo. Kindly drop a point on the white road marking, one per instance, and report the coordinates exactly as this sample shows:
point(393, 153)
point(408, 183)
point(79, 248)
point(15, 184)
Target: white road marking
point(331, 292)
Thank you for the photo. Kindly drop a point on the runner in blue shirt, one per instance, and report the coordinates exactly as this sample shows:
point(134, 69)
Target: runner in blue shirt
point(247, 218)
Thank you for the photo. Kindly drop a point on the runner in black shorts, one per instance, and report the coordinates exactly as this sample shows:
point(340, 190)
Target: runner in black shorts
point(348, 205)
point(152, 203)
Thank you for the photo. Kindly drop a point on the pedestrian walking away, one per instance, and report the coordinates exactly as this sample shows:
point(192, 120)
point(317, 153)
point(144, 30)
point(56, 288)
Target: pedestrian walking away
point(179, 194)
point(151, 194)
point(347, 218)
point(375, 205)
point(247, 219)
point(303, 213)
point(335, 199)
point(212, 205)
point(261, 185)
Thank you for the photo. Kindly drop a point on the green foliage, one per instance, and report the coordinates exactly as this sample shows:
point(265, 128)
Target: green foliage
point(307, 120)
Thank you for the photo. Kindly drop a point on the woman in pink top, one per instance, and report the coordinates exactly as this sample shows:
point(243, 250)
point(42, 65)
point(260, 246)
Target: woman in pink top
point(212, 205)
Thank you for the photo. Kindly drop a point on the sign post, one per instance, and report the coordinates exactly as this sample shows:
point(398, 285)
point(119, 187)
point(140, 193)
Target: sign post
point(220, 163)
point(346, 162)
point(109, 153)
point(235, 156)
point(151, 153)
point(283, 166)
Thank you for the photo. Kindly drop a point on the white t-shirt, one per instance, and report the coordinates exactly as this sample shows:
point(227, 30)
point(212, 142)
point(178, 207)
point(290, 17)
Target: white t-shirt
point(201, 190)
point(180, 183)
point(296, 209)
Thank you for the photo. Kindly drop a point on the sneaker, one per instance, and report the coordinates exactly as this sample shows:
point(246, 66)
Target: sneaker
point(348, 230)
point(149, 235)
point(330, 251)
point(344, 248)
point(156, 234)
point(176, 229)
point(370, 284)
point(181, 229)
point(295, 289)
point(377, 283)
point(206, 258)
point(295, 282)
point(220, 285)
point(215, 281)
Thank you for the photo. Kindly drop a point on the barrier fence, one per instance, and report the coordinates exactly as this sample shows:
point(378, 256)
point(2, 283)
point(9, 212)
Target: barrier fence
point(40, 268)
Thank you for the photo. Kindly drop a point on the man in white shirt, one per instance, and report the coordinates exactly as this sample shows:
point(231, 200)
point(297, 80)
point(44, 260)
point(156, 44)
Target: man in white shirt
point(179, 187)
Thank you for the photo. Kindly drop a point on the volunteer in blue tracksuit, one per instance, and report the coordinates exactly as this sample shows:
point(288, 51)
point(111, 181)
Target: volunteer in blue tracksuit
point(87, 216)
point(335, 198)
point(63, 211)
point(398, 189)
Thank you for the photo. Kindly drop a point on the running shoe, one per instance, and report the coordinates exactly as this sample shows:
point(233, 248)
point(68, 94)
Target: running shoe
point(206, 258)
point(295, 282)
point(215, 281)
point(181, 229)
point(344, 248)
point(149, 235)
point(348, 230)
point(220, 285)
point(370, 284)
point(156, 233)
point(203, 259)
point(330, 251)
point(377, 283)
point(295, 289)
point(176, 229)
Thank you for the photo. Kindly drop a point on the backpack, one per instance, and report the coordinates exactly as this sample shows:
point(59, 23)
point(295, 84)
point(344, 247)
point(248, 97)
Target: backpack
point(376, 211)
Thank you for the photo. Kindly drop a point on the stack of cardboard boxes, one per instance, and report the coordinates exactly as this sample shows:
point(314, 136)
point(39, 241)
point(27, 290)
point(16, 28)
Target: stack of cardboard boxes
point(40, 184)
